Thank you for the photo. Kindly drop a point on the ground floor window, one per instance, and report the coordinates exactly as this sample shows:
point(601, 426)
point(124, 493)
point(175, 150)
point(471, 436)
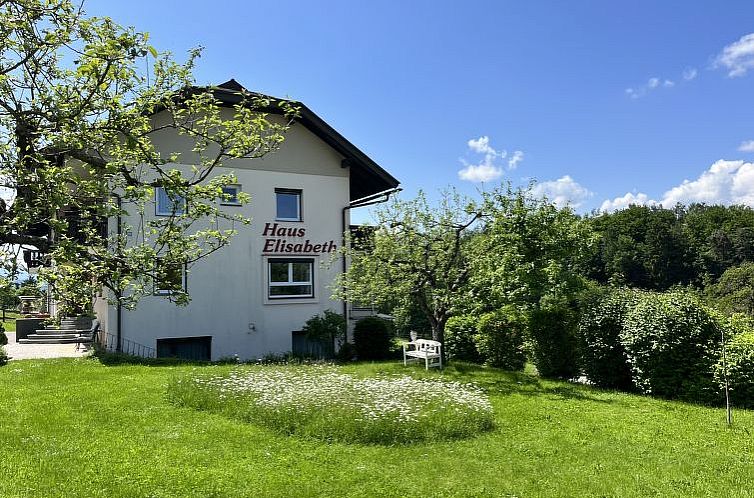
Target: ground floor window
point(290, 278)
point(187, 348)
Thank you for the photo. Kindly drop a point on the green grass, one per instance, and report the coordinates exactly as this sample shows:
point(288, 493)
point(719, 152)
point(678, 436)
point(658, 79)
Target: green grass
point(76, 427)
point(10, 321)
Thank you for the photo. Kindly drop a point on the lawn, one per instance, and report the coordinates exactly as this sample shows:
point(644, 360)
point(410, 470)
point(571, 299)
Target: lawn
point(76, 427)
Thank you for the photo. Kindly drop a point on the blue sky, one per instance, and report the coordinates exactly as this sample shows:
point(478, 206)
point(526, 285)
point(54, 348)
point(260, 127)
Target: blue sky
point(604, 101)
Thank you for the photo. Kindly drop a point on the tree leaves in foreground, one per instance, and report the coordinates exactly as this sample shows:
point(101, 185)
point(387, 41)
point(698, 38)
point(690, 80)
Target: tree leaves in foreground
point(84, 105)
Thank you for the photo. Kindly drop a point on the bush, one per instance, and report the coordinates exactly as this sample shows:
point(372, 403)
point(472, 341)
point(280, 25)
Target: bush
point(3, 337)
point(739, 356)
point(603, 358)
point(459, 339)
point(500, 339)
point(554, 344)
point(327, 327)
point(3, 356)
point(373, 339)
point(672, 344)
point(323, 403)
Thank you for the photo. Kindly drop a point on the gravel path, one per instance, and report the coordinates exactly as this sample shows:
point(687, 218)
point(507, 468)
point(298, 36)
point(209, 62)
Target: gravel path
point(18, 351)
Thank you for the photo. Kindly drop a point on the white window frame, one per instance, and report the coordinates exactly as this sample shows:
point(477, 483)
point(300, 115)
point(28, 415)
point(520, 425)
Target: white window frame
point(290, 282)
point(165, 212)
point(290, 191)
point(238, 190)
point(170, 292)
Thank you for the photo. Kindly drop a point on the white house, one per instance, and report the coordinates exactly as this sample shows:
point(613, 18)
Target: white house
point(250, 297)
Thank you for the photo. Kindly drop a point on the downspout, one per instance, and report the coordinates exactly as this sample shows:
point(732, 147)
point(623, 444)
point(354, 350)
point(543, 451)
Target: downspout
point(377, 198)
point(118, 294)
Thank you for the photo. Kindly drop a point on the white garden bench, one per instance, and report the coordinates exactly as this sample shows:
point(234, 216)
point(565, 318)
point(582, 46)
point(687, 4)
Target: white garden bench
point(423, 349)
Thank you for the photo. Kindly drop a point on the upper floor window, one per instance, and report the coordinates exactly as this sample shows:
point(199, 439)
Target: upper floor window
point(288, 204)
point(167, 205)
point(169, 278)
point(230, 195)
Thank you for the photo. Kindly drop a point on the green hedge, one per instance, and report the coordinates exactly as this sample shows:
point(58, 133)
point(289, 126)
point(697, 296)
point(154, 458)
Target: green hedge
point(459, 339)
point(500, 339)
point(373, 339)
point(554, 342)
point(603, 357)
point(672, 344)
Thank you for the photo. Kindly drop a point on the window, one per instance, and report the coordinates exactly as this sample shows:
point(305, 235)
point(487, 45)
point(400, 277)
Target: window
point(167, 206)
point(230, 195)
point(187, 348)
point(290, 278)
point(169, 278)
point(288, 204)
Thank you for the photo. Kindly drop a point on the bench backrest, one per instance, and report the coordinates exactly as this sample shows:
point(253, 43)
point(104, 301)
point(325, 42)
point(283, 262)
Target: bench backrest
point(427, 345)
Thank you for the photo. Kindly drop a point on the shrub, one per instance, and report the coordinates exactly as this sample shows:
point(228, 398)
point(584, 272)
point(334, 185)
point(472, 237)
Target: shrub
point(459, 339)
point(672, 344)
point(739, 356)
point(553, 341)
point(603, 358)
point(500, 339)
point(323, 403)
point(3, 356)
point(325, 327)
point(373, 339)
point(3, 337)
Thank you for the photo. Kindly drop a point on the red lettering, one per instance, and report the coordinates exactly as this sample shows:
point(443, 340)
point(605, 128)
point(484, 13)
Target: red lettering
point(269, 229)
point(268, 245)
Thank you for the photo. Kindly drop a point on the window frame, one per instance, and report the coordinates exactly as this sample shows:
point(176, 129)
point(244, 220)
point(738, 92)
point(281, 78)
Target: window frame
point(290, 191)
point(238, 188)
point(290, 282)
point(174, 211)
point(171, 292)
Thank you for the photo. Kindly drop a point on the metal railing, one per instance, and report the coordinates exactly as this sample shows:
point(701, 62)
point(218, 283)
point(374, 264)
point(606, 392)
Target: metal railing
point(110, 343)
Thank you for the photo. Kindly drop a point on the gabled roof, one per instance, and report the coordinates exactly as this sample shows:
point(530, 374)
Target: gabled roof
point(366, 176)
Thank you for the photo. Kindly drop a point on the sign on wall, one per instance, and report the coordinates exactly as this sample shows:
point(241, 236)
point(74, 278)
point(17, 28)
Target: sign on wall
point(281, 239)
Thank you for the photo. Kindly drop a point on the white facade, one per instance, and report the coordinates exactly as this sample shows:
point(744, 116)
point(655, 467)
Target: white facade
point(230, 289)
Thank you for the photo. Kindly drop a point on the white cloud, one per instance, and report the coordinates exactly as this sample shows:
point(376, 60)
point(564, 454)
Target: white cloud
point(689, 73)
point(725, 182)
point(746, 146)
point(653, 82)
point(738, 57)
point(480, 173)
point(625, 201)
point(668, 84)
point(564, 191)
point(516, 158)
point(489, 167)
point(481, 145)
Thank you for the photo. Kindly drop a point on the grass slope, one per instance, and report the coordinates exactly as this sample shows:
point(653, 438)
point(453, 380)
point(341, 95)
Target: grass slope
point(76, 427)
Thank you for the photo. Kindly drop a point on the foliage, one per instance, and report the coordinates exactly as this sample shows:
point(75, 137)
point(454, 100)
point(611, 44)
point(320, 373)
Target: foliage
point(500, 338)
point(739, 361)
point(3, 356)
point(417, 257)
point(326, 327)
point(603, 357)
point(324, 403)
point(3, 337)
point(734, 292)
point(459, 339)
point(528, 250)
point(672, 344)
point(553, 340)
point(83, 102)
point(373, 338)
point(8, 294)
point(29, 287)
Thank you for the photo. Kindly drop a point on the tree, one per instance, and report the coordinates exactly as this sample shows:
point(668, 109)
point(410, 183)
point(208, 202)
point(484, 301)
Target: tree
point(734, 292)
point(83, 102)
point(417, 255)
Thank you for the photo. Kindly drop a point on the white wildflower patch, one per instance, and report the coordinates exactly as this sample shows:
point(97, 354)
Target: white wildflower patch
point(323, 402)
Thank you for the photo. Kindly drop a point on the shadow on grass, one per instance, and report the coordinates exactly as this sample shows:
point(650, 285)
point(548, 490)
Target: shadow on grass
point(110, 359)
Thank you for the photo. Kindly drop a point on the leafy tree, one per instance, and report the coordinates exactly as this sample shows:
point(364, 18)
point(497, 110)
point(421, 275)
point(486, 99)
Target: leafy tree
point(8, 294)
point(527, 250)
point(734, 292)
point(417, 255)
point(80, 122)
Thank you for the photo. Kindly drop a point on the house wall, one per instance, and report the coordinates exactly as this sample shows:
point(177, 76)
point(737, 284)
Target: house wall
point(228, 289)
